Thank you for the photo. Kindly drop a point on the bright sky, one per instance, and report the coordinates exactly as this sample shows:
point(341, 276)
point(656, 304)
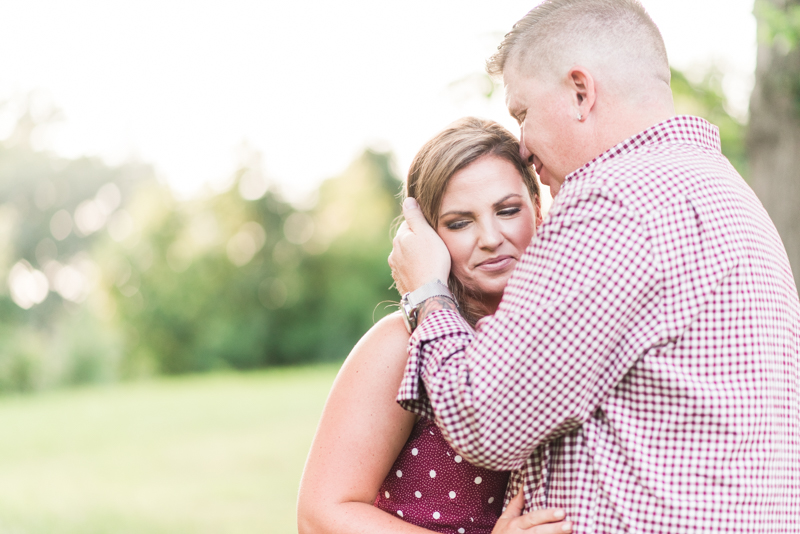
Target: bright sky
point(308, 83)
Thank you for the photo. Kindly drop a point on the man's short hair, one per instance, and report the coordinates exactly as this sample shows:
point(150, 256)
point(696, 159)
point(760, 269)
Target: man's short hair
point(558, 34)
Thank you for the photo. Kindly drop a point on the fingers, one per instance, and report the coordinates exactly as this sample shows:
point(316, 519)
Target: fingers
point(418, 253)
point(398, 284)
point(402, 230)
point(515, 506)
point(545, 522)
point(562, 527)
point(413, 215)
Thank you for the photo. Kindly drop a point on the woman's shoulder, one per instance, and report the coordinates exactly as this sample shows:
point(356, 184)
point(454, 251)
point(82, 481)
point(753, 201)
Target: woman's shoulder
point(391, 329)
point(382, 349)
point(374, 369)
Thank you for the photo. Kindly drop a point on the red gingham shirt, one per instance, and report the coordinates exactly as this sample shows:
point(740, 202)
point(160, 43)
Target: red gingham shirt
point(641, 371)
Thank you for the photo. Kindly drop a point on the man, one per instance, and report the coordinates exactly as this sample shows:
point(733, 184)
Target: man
point(642, 369)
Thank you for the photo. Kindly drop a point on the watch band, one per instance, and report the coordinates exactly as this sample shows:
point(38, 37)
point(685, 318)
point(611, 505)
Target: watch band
point(411, 301)
point(429, 290)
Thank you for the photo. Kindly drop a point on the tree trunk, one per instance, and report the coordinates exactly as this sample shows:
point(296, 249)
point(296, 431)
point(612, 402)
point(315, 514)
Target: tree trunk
point(773, 137)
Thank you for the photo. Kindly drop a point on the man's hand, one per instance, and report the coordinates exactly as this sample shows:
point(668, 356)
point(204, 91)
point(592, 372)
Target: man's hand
point(513, 521)
point(418, 253)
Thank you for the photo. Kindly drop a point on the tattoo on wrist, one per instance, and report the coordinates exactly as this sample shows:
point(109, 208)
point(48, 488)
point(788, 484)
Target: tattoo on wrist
point(434, 304)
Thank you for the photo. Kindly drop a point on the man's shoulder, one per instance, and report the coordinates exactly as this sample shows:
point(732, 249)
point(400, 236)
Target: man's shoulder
point(649, 179)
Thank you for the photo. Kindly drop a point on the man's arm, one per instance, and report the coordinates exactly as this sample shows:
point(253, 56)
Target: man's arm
point(576, 315)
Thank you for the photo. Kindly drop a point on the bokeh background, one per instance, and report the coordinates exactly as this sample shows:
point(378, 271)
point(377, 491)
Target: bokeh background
point(195, 211)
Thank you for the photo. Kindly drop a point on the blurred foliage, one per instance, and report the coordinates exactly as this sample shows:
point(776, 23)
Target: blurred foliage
point(705, 98)
point(108, 276)
point(779, 24)
point(779, 31)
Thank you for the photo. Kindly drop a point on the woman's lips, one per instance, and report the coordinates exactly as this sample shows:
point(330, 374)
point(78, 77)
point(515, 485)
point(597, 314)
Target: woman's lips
point(498, 263)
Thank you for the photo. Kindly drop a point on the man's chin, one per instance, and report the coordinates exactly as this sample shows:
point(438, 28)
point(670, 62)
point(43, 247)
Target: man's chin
point(552, 184)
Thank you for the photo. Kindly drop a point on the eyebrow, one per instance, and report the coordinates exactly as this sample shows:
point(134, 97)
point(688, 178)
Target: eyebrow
point(513, 107)
point(495, 205)
point(509, 101)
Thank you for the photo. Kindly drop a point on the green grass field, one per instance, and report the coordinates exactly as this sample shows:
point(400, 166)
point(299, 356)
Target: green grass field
point(211, 454)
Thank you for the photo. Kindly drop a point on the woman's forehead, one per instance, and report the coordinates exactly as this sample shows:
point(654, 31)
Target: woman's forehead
point(484, 182)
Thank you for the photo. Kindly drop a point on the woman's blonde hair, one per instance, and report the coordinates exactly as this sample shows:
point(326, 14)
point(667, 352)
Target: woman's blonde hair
point(454, 148)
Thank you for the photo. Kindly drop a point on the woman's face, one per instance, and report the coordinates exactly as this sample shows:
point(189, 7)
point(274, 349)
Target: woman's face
point(486, 220)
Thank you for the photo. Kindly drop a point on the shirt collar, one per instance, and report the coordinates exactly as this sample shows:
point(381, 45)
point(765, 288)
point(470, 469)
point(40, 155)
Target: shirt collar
point(682, 129)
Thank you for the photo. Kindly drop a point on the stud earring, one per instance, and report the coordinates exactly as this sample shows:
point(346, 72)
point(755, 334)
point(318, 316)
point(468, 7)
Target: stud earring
point(580, 116)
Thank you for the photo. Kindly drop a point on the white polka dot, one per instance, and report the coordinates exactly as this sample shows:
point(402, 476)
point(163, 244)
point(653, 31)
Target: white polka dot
point(452, 494)
point(414, 451)
point(433, 473)
point(399, 474)
point(400, 513)
point(436, 515)
point(417, 494)
point(491, 500)
point(478, 480)
point(458, 459)
point(461, 531)
point(386, 494)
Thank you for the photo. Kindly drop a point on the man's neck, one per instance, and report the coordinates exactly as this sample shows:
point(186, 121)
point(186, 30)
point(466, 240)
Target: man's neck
point(625, 125)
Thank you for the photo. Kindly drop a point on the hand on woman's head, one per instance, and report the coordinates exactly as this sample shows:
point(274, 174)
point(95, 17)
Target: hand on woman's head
point(418, 254)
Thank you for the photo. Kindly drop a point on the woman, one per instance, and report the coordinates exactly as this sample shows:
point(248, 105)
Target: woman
point(375, 468)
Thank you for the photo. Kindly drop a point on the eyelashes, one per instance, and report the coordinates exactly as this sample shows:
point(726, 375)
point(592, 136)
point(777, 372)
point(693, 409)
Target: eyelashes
point(463, 223)
point(458, 225)
point(509, 211)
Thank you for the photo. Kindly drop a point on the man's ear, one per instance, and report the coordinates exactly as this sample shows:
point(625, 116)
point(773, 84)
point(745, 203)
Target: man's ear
point(581, 83)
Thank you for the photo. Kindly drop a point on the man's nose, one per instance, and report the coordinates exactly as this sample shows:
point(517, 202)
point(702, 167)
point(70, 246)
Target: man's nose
point(523, 150)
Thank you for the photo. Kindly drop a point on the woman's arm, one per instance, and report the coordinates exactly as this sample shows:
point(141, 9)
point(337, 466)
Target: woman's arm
point(361, 432)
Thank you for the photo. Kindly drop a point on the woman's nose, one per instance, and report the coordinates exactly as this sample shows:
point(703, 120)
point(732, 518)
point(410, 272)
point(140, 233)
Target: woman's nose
point(491, 236)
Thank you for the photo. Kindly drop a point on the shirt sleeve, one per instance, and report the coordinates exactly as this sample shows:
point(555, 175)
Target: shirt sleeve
point(577, 314)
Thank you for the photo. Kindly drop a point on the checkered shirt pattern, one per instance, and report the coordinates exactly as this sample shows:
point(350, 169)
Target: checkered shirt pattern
point(641, 371)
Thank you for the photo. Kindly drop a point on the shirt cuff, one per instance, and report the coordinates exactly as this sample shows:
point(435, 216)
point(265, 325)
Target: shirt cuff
point(437, 325)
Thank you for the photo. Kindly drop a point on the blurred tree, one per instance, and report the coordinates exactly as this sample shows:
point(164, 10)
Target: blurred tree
point(346, 275)
point(243, 280)
point(193, 303)
point(57, 319)
point(773, 137)
point(109, 276)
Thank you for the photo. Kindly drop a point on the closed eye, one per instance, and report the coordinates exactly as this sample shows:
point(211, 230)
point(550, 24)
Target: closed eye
point(508, 212)
point(457, 225)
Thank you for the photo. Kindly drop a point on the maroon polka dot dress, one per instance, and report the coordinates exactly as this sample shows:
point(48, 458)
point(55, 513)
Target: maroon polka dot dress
point(431, 486)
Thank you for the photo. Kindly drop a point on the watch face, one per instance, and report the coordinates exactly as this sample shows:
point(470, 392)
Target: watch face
point(409, 313)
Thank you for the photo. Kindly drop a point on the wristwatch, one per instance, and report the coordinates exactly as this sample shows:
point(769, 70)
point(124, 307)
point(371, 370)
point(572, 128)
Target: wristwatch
point(410, 302)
